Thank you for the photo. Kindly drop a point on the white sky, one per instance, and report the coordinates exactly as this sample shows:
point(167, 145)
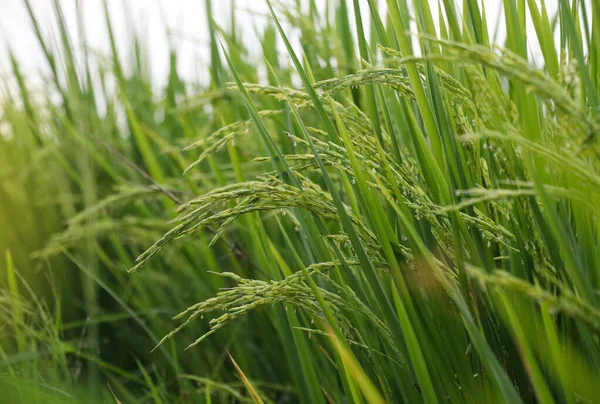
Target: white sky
point(186, 17)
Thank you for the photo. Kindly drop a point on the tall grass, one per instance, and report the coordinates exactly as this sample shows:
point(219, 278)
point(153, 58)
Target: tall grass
point(407, 213)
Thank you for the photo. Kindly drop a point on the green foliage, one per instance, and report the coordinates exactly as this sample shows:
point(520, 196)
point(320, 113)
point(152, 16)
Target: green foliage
point(405, 217)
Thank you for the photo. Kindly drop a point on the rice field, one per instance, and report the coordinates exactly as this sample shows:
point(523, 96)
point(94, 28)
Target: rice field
point(389, 203)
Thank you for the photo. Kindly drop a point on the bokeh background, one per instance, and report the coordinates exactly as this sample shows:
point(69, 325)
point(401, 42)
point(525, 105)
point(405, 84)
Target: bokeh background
point(183, 20)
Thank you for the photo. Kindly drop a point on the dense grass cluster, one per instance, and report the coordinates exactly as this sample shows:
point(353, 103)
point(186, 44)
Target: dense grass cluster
point(402, 214)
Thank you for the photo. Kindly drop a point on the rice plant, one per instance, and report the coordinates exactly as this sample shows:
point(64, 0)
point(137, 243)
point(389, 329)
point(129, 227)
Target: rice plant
point(387, 205)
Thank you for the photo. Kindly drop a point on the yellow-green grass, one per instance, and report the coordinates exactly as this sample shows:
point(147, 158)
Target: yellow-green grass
point(409, 216)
